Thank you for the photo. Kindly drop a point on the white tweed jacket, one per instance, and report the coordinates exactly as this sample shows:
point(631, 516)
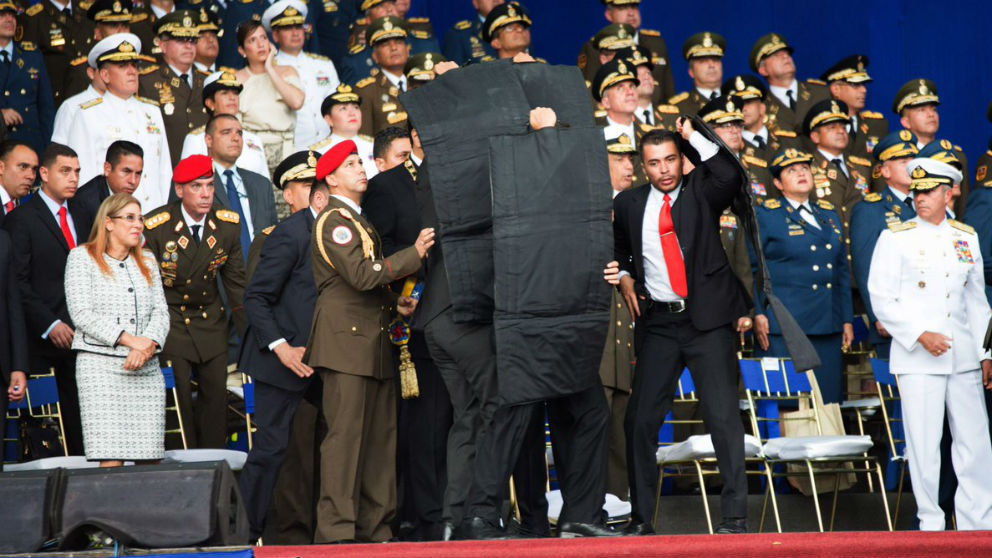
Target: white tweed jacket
point(104, 306)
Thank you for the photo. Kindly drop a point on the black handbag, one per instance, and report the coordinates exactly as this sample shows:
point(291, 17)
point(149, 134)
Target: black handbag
point(39, 438)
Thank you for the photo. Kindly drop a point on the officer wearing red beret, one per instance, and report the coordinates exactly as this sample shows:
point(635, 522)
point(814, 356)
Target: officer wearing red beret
point(194, 241)
point(349, 347)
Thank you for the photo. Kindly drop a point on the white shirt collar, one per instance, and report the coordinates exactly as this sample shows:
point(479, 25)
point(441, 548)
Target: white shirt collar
point(190, 221)
point(9, 49)
point(831, 158)
point(795, 205)
point(176, 71)
point(780, 92)
point(349, 203)
point(899, 195)
point(204, 67)
point(68, 4)
point(416, 160)
point(672, 196)
point(235, 176)
point(622, 129)
point(707, 92)
point(159, 12)
point(313, 212)
point(395, 80)
point(52, 205)
point(762, 133)
point(4, 196)
point(639, 113)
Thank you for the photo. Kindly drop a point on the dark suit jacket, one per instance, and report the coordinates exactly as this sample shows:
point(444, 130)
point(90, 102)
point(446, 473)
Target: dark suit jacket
point(280, 301)
point(716, 296)
point(13, 335)
point(90, 195)
point(435, 297)
point(261, 202)
point(40, 252)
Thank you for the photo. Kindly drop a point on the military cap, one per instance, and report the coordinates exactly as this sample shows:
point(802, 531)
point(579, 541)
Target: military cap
point(745, 87)
point(420, 66)
point(941, 150)
point(704, 44)
point(622, 2)
point(119, 47)
point(344, 94)
point(925, 174)
point(787, 158)
point(721, 110)
point(767, 45)
point(636, 55)
point(369, 4)
point(614, 36)
point(620, 145)
point(110, 11)
point(332, 159)
point(825, 112)
point(850, 69)
point(897, 145)
point(223, 79)
point(503, 15)
point(385, 28)
point(180, 24)
point(613, 72)
point(8, 6)
point(193, 168)
point(209, 22)
point(301, 165)
point(915, 93)
point(284, 13)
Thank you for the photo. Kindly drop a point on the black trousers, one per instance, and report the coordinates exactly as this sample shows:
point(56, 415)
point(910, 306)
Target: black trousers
point(64, 363)
point(666, 343)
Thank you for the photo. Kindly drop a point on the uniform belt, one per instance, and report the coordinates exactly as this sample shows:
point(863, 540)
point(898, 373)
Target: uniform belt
point(667, 307)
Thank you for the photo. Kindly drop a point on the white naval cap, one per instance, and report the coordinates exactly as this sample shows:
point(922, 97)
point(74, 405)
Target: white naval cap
point(284, 13)
point(926, 173)
point(119, 47)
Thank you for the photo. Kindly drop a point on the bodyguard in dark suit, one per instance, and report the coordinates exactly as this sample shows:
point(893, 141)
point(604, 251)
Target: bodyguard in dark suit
point(27, 105)
point(121, 173)
point(13, 333)
point(18, 170)
point(43, 230)
point(686, 298)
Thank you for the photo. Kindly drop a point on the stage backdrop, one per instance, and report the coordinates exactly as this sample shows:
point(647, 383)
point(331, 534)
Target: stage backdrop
point(903, 39)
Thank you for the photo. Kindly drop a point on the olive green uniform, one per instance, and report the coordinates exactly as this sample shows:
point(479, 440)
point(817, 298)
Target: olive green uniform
point(588, 62)
point(64, 40)
point(616, 371)
point(381, 106)
point(182, 107)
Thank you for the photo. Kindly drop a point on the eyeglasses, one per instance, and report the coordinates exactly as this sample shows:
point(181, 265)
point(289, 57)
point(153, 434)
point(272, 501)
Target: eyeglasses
point(130, 218)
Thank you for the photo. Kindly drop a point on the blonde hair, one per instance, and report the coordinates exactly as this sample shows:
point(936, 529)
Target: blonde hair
point(96, 246)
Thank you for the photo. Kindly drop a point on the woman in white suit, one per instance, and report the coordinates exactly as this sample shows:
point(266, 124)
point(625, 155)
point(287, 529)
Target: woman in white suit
point(115, 298)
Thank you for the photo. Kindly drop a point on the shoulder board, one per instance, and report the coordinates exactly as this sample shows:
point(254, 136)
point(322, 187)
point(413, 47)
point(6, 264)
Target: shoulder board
point(645, 127)
point(148, 69)
point(204, 73)
point(356, 49)
point(200, 130)
point(91, 103)
point(540, 60)
point(649, 32)
point(816, 81)
point(33, 10)
point(785, 133)
point(961, 226)
point(958, 148)
point(679, 98)
point(419, 19)
point(361, 21)
point(316, 56)
point(420, 34)
point(152, 60)
point(156, 220)
point(136, 18)
point(859, 161)
point(344, 212)
point(487, 58)
point(668, 109)
point(268, 230)
point(599, 114)
point(873, 197)
point(870, 114)
point(228, 216)
point(79, 61)
point(28, 45)
point(756, 161)
point(369, 139)
point(772, 204)
point(396, 117)
point(824, 204)
point(365, 82)
point(146, 100)
point(902, 226)
point(463, 25)
point(319, 144)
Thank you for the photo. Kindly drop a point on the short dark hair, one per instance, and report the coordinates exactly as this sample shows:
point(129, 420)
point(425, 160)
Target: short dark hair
point(53, 152)
point(384, 138)
point(246, 28)
point(212, 123)
point(7, 146)
point(319, 186)
point(122, 148)
point(658, 137)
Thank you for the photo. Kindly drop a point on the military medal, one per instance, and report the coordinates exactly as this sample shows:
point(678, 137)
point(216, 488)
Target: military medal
point(963, 252)
point(170, 246)
point(168, 109)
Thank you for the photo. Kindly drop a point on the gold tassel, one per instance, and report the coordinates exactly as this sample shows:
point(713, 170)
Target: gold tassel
point(409, 388)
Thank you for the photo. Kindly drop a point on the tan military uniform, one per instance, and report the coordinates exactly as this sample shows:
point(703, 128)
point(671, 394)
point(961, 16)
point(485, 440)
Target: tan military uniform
point(689, 102)
point(640, 129)
point(777, 141)
point(417, 28)
point(983, 178)
point(588, 62)
point(616, 371)
point(734, 243)
point(781, 117)
point(760, 178)
point(872, 126)
point(182, 107)
point(349, 346)
point(64, 40)
point(198, 334)
point(143, 25)
point(381, 106)
point(830, 184)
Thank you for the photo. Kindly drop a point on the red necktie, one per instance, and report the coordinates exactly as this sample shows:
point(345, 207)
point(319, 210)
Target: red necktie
point(64, 224)
point(8, 207)
point(670, 249)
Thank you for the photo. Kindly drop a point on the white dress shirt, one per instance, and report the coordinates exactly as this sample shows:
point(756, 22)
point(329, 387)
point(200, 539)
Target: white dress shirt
point(843, 164)
point(190, 222)
point(398, 82)
point(252, 150)
point(646, 115)
point(779, 92)
point(354, 206)
point(613, 129)
point(807, 215)
point(239, 185)
point(749, 135)
point(54, 207)
point(707, 93)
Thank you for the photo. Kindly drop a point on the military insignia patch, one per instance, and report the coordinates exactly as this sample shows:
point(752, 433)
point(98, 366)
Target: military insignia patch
point(963, 252)
point(728, 222)
point(758, 189)
point(980, 172)
point(183, 242)
point(211, 241)
point(341, 235)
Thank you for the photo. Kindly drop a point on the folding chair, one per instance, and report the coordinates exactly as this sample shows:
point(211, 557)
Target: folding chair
point(693, 456)
point(170, 387)
point(772, 381)
point(888, 392)
point(41, 401)
point(248, 388)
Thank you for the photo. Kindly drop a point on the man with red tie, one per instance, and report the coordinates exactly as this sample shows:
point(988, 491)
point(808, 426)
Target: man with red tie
point(685, 299)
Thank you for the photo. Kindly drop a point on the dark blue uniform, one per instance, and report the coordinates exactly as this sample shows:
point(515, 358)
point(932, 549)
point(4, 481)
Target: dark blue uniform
point(332, 21)
point(978, 214)
point(809, 271)
point(869, 218)
point(463, 42)
point(27, 90)
point(358, 64)
point(237, 12)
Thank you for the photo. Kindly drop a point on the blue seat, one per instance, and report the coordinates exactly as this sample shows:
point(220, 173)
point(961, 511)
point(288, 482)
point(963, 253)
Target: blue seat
point(170, 387)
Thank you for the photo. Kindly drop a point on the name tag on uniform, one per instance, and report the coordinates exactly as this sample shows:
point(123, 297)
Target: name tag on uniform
point(963, 252)
point(796, 230)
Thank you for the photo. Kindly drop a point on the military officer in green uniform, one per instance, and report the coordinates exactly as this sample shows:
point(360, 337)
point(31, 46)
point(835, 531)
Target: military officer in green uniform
point(982, 178)
point(704, 53)
point(648, 112)
point(175, 83)
point(789, 99)
point(419, 28)
point(847, 81)
point(194, 242)
point(63, 36)
point(759, 140)
point(615, 87)
point(380, 93)
point(349, 348)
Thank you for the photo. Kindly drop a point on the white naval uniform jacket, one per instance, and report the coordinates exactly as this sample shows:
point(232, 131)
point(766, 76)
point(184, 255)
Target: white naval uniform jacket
point(926, 277)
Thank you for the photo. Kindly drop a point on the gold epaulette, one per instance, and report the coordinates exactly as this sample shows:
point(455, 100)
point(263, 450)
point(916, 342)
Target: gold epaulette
point(146, 100)
point(137, 18)
point(756, 161)
point(33, 10)
point(420, 34)
point(198, 130)
point(156, 220)
point(28, 46)
point(463, 25)
point(902, 226)
point(645, 127)
point(679, 98)
point(356, 49)
point(599, 114)
point(365, 83)
point(204, 73)
point(228, 216)
point(419, 19)
point(319, 144)
point(91, 103)
point(151, 59)
point(361, 21)
point(859, 161)
point(957, 148)
point(649, 32)
point(824, 204)
point(873, 197)
point(149, 69)
point(816, 81)
point(268, 230)
point(668, 109)
point(961, 226)
point(871, 114)
point(316, 56)
point(785, 133)
point(78, 61)
point(396, 117)
point(772, 204)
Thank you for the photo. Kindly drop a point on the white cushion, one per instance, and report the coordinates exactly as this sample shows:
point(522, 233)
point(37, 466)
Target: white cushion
point(614, 507)
point(235, 459)
point(865, 403)
point(701, 447)
point(59, 462)
point(811, 447)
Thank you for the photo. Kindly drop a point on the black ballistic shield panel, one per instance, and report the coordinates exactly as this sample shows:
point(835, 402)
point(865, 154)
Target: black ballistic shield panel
point(26, 502)
point(552, 237)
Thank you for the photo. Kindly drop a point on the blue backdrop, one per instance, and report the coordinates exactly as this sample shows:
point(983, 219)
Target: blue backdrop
point(943, 41)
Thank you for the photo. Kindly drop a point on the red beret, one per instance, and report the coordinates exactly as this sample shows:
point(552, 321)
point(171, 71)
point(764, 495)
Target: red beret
point(330, 161)
point(192, 168)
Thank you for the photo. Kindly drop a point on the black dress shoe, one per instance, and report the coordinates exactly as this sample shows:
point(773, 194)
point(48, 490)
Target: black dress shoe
point(638, 530)
point(447, 531)
point(733, 526)
point(476, 528)
point(571, 530)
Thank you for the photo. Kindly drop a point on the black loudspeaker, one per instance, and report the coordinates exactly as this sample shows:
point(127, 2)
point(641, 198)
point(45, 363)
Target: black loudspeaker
point(27, 501)
point(155, 506)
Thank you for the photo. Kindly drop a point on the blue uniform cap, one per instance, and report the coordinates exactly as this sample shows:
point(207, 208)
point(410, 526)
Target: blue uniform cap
point(787, 158)
point(897, 145)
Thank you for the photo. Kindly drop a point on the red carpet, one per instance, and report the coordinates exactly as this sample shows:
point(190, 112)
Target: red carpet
point(908, 544)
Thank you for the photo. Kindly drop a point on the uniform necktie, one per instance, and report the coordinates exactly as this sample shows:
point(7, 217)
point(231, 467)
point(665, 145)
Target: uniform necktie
point(4, 57)
point(909, 202)
point(840, 166)
point(196, 233)
point(759, 141)
point(647, 117)
point(232, 195)
point(185, 78)
point(670, 249)
point(713, 95)
point(9, 206)
point(64, 225)
point(792, 100)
